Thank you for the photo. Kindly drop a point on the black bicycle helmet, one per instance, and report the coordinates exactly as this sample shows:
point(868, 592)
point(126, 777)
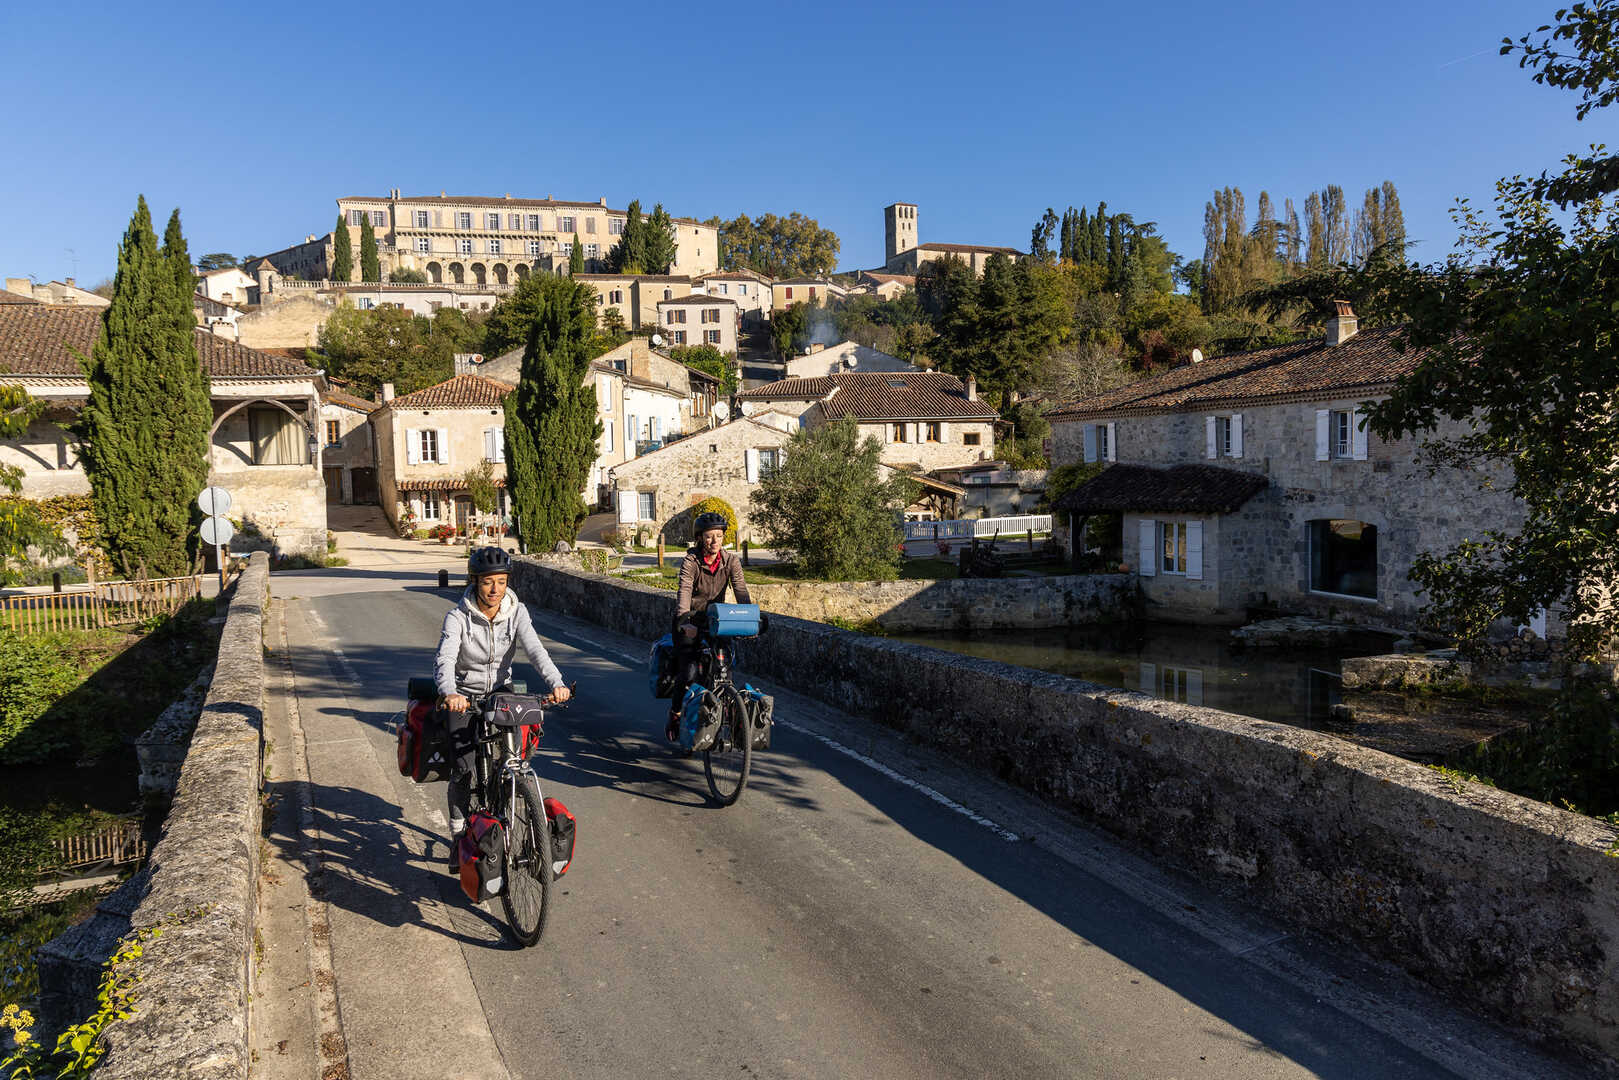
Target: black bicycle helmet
point(709, 521)
point(488, 560)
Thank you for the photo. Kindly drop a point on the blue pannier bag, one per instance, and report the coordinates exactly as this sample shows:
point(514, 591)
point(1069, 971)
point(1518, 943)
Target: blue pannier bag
point(660, 667)
point(699, 719)
point(733, 620)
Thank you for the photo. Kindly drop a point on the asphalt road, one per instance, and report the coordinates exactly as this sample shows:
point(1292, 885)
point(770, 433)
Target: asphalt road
point(867, 908)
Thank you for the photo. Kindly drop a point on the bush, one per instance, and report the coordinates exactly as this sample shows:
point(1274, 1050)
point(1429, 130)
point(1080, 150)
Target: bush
point(716, 505)
point(35, 674)
point(615, 539)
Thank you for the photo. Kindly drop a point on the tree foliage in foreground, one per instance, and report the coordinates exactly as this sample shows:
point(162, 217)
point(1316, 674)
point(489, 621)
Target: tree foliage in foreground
point(21, 525)
point(551, 426)
point(1522, 331)
point(828, 509)
point(710, 361)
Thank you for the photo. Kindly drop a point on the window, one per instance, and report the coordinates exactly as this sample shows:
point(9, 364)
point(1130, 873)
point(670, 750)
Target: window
point(514, 222)
point(1343, 557)
point(592, 250)
point(491, 222)
point(1173, 538)
point(648, 505)
point(379, 218)
point(334, 433)
point(902, 433)
point(590, 225)
point(464, 245)
point(712, 337)
point(423, 244)
point(787, 292)
point(278, 438)
point(677, 315)
point(769, 462)
point(607, 433)
point(421, 219)
point(932, 433)
point(463, 221)
point(356, 217)
point(741, 290)
point(1100, 443)
point(668, 294)
point(430, 506)
point(1222, 437)
point(533, 247)
point(565, 224)
point(616, 296)
point(1340, 434)
point(971, 438)
point(812, 292)
point(679, 336)
point(534, 223)
point(494, 245)
point(430, 448)
point(365, 303)
point(723, 288)
point(494, 444)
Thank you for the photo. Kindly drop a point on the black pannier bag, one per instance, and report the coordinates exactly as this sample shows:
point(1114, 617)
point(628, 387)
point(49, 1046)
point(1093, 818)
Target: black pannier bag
point(424, 749)
point(564, 831)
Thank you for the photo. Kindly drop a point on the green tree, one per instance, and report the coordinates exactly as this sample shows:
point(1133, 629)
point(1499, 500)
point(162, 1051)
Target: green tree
point(1520, 331)
point(342, 252)
point(629, 255)
point(217, 260)
point(145, 427)
point(370, 265)
point(480, 484)
point(660, 248)
point(1002, 328)
point(367, 348)
point(513, 315)
point(408, 276)
point(789, 331)
point(576, 257)
point(710, 361)
point(779, 247)
point(827, 509)
point(551, 426)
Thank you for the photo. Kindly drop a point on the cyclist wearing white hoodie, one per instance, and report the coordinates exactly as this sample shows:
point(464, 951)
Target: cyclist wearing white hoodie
point(475, 651)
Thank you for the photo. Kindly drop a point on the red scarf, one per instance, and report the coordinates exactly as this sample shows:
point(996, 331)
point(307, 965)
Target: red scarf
point(713, 565)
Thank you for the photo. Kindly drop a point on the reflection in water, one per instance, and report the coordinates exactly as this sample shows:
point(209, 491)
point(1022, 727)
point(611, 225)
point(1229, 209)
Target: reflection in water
point(1191, 664)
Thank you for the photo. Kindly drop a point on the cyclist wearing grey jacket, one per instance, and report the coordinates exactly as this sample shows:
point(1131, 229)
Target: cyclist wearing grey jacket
point(475, 650)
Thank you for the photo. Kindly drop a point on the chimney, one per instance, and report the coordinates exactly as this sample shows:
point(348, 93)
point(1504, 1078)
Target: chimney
point(816, 348)
point(1342, 326)
point(68, 283)
point(387, 392)
point(972, 387)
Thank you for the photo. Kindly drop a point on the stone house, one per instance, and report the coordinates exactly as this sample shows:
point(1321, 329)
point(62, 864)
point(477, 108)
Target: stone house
point(751, 292)
point(264, 447)
point(700, 320)
point(925, 420)
point(216, 316)
point(805, 290)
point(726, 461)
point(229, 285)
point(1251, 479)
point(349, 454)
point(883, 286)
point(995, 489)
point(636, 296)
point(844, 356)
point(55, 292)
point(426, 443)
point(904, 255)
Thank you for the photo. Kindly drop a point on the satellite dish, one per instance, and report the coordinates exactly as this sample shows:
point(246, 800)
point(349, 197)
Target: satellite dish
point(848, 361)
point(721, 410)
point(657, 339)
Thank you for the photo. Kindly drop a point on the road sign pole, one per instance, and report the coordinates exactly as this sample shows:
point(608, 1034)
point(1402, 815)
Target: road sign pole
point(224, 574)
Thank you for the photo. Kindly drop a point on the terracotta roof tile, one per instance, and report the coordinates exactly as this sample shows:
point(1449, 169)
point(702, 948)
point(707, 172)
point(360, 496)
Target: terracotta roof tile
point(458, 392)
point(1311, 368)
point(451, 484)
point(697, 298)
point(9, 297)
point(349, 401)
point(1182, 489)
point(42, 340)
point(881, 395)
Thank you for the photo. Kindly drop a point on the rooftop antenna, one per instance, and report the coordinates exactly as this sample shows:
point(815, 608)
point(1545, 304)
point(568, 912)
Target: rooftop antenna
point(74, 259)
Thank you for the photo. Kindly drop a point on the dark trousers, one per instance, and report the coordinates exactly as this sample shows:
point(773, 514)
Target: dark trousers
point(688, 666)
point(459, 792)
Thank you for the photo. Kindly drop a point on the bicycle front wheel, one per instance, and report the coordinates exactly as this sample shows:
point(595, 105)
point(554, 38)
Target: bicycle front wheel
point(527, 896)
point(727, 762)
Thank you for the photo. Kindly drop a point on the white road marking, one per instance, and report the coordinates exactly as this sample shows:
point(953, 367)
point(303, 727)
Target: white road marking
point(892, 774)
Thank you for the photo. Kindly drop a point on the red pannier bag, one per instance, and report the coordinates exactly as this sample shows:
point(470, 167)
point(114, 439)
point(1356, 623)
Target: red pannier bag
point(482, 851)
point(563, 828)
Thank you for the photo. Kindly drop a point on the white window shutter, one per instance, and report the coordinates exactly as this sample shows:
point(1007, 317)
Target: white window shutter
point(1236, 434)
point(443, 446)
point(489, 444)
point(1149, 679)
point(1149, 547)
point(781, 456)
point(1323, 419)
point(1090, 443)
point(944, 432)
point(1194, 550)
point(657, 428)
point(413, 447)
point(500, 445)
point(916, 433)
point(1209, 449)
point(1357, 435)
point(607, 430)
point(750, 461)
point(628, 508)
point(1194, 686)
point(1112, 442)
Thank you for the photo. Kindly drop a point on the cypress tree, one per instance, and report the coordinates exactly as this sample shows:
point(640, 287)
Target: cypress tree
point(1099, 232)
point(629, 257)
point(342, 252)
point(551, 427)
point(1082, 237)
point(660, 241)
point(370, 265)
point(576, 259)
point(145, 426)
point(1065, 242)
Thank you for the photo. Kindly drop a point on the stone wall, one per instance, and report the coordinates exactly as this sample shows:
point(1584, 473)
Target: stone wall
point(1002, 604)
point(285, 324)
point(712, 462)
point(1509, 905)
point(200, 887)
point(286, 503)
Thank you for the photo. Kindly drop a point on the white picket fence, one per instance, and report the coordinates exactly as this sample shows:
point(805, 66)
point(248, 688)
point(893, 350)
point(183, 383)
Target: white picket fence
point(985, 527)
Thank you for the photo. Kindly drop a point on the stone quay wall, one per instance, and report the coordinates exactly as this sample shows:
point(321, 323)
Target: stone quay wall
point(200, 888)
point(973, 603)
point(1509, 905)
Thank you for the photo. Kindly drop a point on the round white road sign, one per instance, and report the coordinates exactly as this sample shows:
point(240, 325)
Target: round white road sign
point(217, 530)
point(213, 501)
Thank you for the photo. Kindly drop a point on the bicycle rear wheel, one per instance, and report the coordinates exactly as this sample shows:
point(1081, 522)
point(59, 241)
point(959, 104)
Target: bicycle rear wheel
point(728, 761)
point(527, 896)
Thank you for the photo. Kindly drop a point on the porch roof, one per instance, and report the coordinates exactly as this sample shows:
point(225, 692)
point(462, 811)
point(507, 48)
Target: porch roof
point(451, 484)
point(1180, 489)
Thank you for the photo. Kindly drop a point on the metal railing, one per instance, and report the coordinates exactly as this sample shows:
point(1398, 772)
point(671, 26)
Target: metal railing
point(102, 604)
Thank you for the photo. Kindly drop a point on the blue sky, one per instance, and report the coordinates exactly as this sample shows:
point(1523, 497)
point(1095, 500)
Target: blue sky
point(984, 115)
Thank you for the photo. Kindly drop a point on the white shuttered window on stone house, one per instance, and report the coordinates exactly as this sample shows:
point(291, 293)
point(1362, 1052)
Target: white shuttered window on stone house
point(494, 444)
point(1101, 443)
